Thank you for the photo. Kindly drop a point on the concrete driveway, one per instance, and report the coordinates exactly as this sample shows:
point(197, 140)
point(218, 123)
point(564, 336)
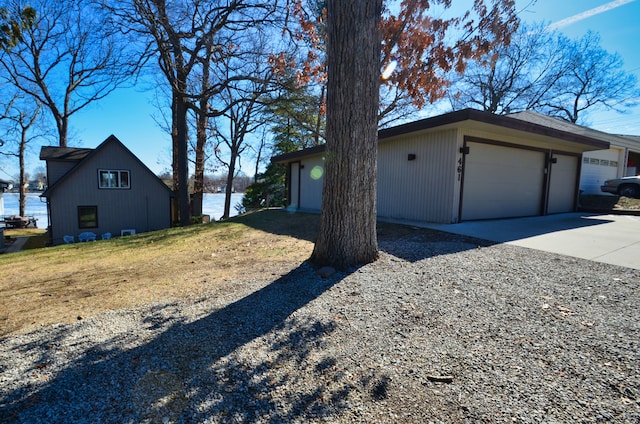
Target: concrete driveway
point(612, 239)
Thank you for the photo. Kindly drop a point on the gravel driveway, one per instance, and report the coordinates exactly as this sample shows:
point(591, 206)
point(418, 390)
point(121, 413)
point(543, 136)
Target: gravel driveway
point(440, 329)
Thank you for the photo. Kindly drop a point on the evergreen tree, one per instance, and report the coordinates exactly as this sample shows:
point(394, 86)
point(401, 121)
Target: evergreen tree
point(298, 123)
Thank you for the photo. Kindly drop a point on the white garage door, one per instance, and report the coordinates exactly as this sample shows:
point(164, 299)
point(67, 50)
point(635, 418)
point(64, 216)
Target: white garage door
point(501, 182)
point(562, 184)
point(597, 167)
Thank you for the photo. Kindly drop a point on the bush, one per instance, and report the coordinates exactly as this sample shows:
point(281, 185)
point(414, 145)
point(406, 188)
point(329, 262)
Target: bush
point(268, 191)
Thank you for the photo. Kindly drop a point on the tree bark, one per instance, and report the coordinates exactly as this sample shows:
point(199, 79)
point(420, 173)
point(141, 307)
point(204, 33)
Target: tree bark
point(182, 156)
point(174, 141)
point(347, 234)
point(200, 157)
point(22, 190)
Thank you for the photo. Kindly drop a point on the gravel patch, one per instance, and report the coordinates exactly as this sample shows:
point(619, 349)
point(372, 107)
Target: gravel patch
point(436, 331)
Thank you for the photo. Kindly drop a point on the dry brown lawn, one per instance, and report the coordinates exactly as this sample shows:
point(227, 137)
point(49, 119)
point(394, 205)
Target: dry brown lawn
point(71, 282)
point(64, 283)
point(628, 203)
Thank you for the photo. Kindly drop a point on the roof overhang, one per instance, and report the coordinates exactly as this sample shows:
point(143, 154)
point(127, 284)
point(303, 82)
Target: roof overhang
point(67, 154)
point(471, 119)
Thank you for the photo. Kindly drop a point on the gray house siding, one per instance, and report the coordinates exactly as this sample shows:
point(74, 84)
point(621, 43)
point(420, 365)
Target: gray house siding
point(144, 206)
point(405, 188)
point(57, 169)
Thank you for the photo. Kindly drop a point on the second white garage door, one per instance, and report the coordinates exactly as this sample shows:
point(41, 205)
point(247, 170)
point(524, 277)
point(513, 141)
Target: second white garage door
point(562, 185)
point(501, 182)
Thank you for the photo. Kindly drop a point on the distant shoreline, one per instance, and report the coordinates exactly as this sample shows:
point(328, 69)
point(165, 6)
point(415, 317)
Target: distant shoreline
point(213, 205)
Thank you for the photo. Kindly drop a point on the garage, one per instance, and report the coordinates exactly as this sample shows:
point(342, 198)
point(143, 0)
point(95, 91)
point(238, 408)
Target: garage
point(501, 181)
point(462, 166)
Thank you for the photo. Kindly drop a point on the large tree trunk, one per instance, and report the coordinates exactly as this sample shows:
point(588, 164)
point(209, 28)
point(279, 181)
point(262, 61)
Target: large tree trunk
point(202, 123)
point(183, 159)
point(348, 222)
point(198, 176)
point(198, 180)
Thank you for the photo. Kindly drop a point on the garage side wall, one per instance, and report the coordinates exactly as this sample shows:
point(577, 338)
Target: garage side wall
point(417, 177)
point(310, 174)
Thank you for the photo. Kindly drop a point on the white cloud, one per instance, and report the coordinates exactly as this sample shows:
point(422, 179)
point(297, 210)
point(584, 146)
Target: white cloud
point(589, 13)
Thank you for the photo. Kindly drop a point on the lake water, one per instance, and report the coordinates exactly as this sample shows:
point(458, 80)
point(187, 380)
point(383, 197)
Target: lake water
point(212, 205)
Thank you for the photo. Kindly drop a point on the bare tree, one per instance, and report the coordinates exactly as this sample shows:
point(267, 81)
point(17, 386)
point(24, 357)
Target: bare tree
point(179, 35)
point(513, 78)
point(243, 104)
point(69, 58)
point(594, 78)
point(549, 73)
point(20, 119)
point(201, 110)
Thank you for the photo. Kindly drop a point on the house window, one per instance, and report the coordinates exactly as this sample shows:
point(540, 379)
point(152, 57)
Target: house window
point(613, 163)
point(108, 178)
point(604, 162)
point(595, 161)
point(87, 216)
point(585, 159)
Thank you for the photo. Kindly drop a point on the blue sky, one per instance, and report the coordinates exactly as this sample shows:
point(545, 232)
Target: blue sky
point(619, 29)
point(127, 113)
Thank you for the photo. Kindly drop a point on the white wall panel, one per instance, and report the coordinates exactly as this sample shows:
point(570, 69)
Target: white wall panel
point(562, 184)
point(420, 189)
point(311, 178)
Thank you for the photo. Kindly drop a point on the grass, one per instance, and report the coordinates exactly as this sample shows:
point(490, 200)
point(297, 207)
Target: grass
point(62, 283)
point(628, 203)
point(36, 237)
point(59, 284)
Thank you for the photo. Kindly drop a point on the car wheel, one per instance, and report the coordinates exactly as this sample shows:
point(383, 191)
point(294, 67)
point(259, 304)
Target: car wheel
point(629, 190)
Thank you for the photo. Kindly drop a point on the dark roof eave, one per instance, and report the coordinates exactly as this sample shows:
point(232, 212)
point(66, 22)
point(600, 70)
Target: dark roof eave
point(459, 116)
point(288, 157)
point(69, 154)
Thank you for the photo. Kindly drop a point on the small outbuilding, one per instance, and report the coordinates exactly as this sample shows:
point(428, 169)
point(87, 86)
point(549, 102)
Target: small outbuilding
point(102, 191)
point(463, 165)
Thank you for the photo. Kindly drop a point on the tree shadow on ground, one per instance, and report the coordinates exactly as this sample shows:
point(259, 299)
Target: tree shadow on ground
point(300, 225)
point(416, 243)
point(240, 363)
